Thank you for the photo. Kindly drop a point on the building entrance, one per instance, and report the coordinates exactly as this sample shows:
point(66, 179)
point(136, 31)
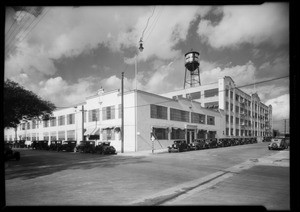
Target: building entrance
point(190, 136)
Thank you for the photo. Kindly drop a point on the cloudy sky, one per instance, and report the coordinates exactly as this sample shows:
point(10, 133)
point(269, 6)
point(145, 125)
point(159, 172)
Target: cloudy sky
point(65, 54)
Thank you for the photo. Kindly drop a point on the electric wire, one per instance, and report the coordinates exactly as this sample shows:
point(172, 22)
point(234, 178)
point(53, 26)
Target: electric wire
point(20, 30)
point(147, 23)
point(154, 23)
point(172, 100)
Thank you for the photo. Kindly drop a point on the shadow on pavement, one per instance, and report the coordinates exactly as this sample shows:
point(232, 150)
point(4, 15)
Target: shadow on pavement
point(45, 163)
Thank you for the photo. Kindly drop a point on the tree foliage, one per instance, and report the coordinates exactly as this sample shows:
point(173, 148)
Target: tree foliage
point(21, 104)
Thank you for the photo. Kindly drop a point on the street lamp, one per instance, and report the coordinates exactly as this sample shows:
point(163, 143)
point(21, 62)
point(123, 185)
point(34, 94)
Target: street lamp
point(141, 48)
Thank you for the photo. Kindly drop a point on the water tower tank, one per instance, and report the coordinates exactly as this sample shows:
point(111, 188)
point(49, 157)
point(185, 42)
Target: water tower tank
point(192, 60)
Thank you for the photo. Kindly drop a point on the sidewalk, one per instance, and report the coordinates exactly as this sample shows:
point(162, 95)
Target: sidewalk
point(256, 177)
point(144, 153)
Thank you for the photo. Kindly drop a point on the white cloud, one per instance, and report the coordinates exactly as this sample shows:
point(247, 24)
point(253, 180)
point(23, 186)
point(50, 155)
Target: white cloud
point(254, 24)
point(281, 107)
point(241, 74)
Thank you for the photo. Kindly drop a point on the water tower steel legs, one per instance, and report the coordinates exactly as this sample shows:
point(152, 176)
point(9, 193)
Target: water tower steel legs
point(193, 78)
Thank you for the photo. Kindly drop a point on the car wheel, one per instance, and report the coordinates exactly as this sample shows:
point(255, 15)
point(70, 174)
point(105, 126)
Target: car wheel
point(17, 156)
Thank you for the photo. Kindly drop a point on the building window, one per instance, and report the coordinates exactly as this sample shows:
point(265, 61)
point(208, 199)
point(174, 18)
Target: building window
point(227, 131)
point(28, 125)
point(61, 120)
point(227, 118)
point(53, 121)
point(237, 109)
point(231, 107)
point(211, 104)
point(231, 131)
point(161, 133)
point(198, 118)
point(236, 120)
point(195, 95)
point(179, 115)
point(61, 135)
point(108, 134)
point(211, 92)
point(46, 136)
point(226, 92)
point(158, 112)
point(210, 120)
point(237, 132)
point(231, 95)
point(177, 133)
point(70, 135)
point(94, 115)
point(236, 97)
point(46, 123)
point(33, 124)
point(211, 134)
point(53, 136)
point(108, 113)
point(71, 118)
point(227, 106)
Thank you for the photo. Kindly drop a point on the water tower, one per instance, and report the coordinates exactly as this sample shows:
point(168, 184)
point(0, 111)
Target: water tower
point(192, 67)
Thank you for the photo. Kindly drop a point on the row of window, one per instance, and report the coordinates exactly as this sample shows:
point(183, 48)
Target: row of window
point(243, 133)
point(197, 95)
point(176, 133)
point(107, 134)
point(93, 115)
point(161, 112)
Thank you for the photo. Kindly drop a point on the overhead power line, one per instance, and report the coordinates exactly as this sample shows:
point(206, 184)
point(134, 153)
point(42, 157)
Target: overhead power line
point(147, 23)
point(171, 100)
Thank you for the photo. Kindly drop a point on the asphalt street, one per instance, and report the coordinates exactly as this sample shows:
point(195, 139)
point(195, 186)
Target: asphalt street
point(239, 175)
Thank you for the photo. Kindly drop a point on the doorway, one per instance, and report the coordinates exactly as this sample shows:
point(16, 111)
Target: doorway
point(190, 136)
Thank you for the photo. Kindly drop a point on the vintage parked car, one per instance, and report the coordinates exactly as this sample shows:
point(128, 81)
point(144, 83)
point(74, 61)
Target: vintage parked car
point(10, 154)
point(212, 142)
point(198, 144)
point(68, 146)
point(86, 147)
point(267, 139)
point(55, 145)
point(105, 148)
point(278, 143)
point(40, 145)
point(178, 146)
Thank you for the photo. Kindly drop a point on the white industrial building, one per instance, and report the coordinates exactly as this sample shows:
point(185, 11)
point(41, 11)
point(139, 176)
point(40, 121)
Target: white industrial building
point(167, 118)
point(215, 110)
point(245, 115)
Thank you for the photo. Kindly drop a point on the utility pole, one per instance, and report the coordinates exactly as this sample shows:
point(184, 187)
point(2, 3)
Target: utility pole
point(82, 122)
point(122, 113)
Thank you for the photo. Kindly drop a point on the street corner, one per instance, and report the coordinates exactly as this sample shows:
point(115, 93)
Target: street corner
point(281, 158)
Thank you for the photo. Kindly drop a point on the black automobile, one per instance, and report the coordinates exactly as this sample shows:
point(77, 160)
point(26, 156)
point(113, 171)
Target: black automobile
point(104, 147)
point(10, 154)
point(68, 146)
point(55, 145)
point(221, 142)
point(212, 142)
point(178, 146)
point(267, 139)
point(198, 144)
point(86, 147)
point(42, 145)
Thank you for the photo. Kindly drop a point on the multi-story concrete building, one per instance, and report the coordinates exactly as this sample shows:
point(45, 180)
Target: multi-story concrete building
point(245, 115)
point(99, 118)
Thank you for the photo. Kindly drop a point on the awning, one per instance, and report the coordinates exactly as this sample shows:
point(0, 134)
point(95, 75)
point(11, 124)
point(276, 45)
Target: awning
point(89, 131)
point(96, 131)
